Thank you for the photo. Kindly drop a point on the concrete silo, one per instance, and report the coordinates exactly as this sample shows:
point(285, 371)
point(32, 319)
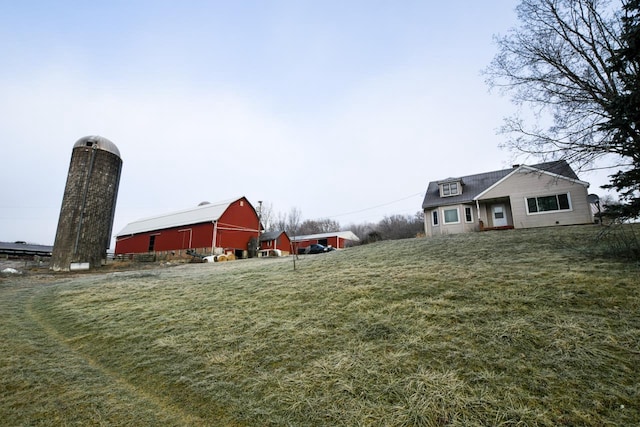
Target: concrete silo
point(88, 206)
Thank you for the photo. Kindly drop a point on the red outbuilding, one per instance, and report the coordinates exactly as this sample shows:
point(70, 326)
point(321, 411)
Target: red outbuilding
point(275, 243)
point(336, 239)
point(210, 228)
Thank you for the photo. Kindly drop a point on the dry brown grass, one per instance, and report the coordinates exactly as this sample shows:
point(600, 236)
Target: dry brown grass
point(500, 328)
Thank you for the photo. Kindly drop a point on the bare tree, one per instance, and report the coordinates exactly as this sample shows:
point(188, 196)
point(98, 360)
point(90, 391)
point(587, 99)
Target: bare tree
point(293, 221)
point(278, 223)
point(266, 215)
point(316, 226)
point(400, 226)
point(362, 230)
point(556, 67)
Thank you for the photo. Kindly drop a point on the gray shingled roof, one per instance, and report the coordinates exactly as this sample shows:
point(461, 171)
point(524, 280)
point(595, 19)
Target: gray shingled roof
point(476, 184)
point(270, 235)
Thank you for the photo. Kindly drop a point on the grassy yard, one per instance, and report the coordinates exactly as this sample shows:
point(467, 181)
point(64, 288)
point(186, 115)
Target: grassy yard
point(511, 328)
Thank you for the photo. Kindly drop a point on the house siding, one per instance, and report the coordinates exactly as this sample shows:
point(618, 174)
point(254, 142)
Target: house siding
point(443, 228)
point(484, 215)
point(525, 183)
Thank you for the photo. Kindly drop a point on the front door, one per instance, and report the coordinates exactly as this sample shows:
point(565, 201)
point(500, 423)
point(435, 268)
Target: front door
point(499, 215)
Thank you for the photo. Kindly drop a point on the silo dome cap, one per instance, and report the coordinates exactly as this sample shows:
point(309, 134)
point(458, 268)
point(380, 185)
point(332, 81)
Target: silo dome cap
point(100, 142)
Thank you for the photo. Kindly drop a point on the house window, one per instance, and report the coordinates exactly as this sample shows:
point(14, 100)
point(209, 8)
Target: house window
point(451, 216)
point(468, 214)
point(434, 217)
point(557, 202)
point(450, 189)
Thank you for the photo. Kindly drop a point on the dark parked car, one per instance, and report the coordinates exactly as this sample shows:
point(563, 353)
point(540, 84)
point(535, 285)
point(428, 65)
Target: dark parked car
point(314, 249)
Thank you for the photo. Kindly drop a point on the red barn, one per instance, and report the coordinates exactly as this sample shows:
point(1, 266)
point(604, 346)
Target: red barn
point(225, 227)
point(273, 241)
point(337, 239)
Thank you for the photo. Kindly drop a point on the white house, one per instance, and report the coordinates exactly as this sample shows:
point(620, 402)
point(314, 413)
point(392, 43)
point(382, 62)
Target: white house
point(523, 196)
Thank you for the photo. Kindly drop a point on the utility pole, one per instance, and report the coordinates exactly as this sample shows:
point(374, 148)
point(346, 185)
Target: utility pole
point(259, 225)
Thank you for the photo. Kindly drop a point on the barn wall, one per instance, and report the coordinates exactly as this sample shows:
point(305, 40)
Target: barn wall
point(282, 243)
point(304, 243)
point(237, 225)
point(170, 239)
point(338, 242)
point(334, 241)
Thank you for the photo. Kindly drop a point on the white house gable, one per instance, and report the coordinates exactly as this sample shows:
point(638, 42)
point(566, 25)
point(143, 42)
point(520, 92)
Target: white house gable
point(527, 179)
point(540, 198)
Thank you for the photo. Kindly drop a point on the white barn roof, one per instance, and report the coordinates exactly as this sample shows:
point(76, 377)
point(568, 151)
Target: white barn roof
point(347, 235)
point(204, 213)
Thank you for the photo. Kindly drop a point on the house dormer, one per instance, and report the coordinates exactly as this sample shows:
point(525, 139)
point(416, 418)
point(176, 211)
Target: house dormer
point(450, 187)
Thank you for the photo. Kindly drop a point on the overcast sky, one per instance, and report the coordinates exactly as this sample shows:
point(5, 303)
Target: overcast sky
point(341, 109)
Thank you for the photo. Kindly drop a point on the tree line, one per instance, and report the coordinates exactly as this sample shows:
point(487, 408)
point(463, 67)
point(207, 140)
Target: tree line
point(390, 227)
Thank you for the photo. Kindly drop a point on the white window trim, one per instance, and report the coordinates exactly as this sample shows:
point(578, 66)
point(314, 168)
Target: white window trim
point(526, 204)
point(458, 189)
point(444, 217)
point(437, 215)
point(465, 214)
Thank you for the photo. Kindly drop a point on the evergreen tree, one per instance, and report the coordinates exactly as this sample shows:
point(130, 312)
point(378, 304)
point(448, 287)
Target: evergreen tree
point(572, 66)
point(624, 109)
